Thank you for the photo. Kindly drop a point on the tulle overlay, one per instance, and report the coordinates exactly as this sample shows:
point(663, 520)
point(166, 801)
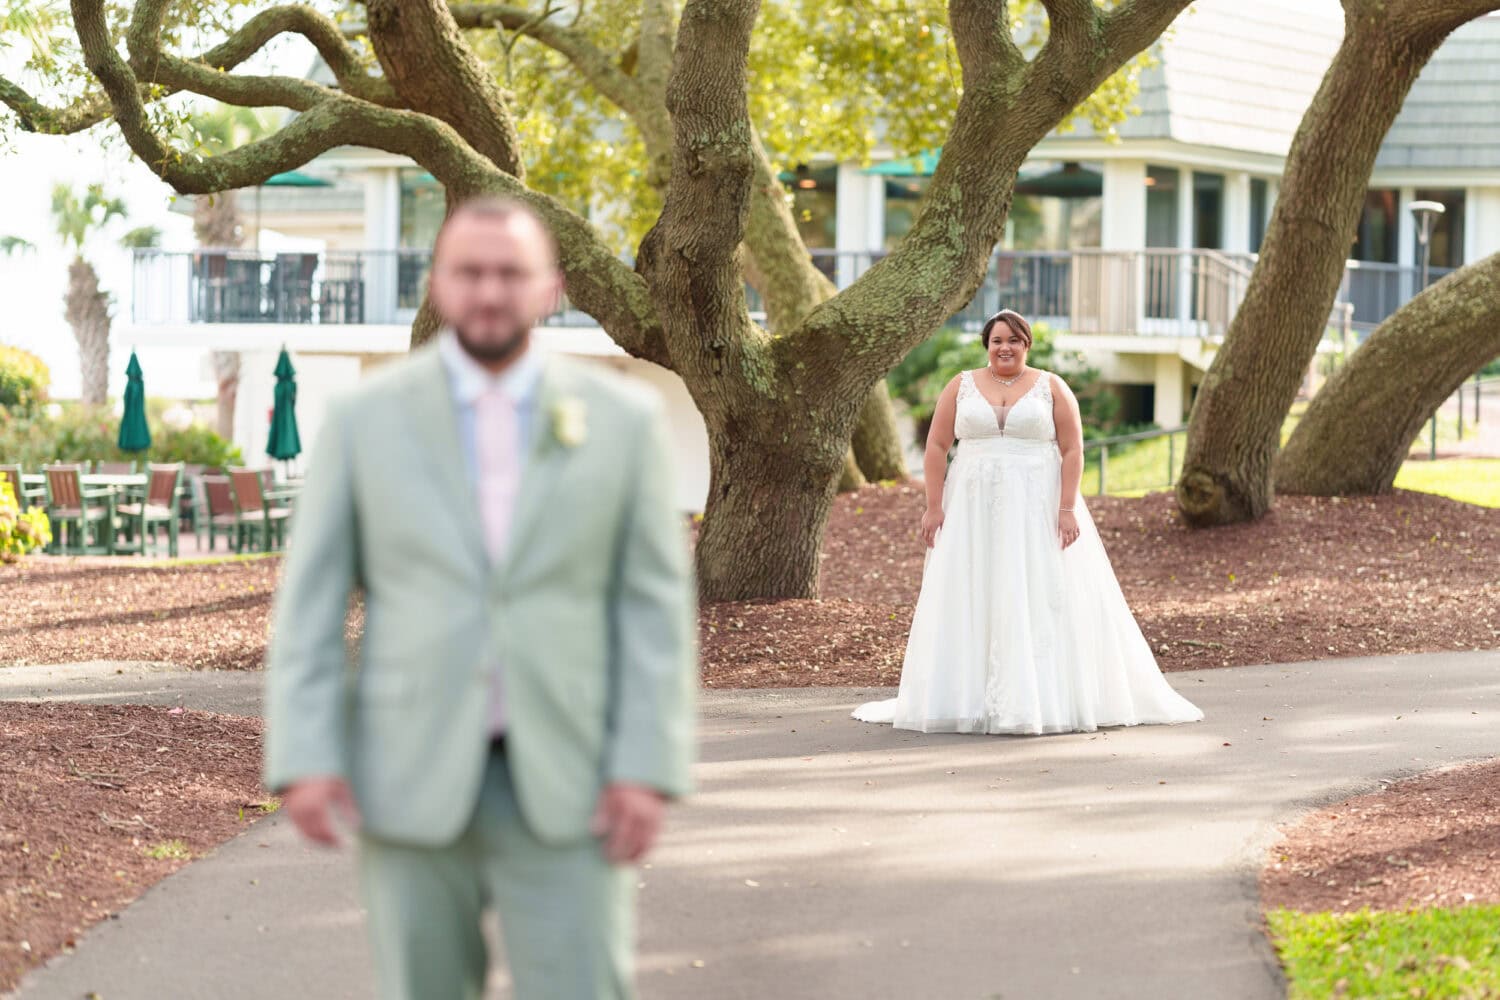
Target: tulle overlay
point(1011, 632)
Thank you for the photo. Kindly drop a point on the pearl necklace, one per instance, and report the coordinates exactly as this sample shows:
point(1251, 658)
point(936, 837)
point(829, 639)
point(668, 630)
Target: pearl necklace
point(1005, 381)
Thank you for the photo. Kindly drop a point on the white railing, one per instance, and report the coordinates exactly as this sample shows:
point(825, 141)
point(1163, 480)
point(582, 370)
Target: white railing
point(1138, 292)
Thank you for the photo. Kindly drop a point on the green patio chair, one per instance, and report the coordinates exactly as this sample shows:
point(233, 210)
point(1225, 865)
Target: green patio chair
point(141, 515)
point(216, 514)
point(78, 511)
point(26, 496)
point(257, 520)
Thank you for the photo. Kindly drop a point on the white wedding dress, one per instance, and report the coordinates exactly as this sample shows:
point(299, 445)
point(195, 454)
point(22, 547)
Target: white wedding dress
point(1012, 633)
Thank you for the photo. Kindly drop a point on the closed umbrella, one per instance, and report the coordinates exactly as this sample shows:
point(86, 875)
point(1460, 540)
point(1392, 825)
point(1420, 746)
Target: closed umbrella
point(285, 444)
point(134, 434)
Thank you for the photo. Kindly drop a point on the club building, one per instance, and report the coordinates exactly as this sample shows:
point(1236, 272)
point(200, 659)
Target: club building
point(1135, 248)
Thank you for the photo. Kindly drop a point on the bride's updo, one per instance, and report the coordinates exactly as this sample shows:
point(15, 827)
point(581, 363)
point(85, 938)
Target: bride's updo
point(1010, 318)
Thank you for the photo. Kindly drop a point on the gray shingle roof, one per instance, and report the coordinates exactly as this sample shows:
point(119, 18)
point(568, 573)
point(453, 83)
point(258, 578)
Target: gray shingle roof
point(1451, 118)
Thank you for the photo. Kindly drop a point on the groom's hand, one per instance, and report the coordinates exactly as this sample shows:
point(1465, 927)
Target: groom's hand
point(312, 803)
point(629, 818)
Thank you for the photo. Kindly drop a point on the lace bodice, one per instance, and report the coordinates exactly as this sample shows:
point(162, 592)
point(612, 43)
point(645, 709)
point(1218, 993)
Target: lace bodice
point(1029, 417)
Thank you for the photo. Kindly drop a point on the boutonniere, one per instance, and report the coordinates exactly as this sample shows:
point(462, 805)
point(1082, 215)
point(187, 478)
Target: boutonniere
point(570, 422)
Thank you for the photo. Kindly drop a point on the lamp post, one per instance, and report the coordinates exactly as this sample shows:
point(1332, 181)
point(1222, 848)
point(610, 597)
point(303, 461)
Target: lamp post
point(1425, 213)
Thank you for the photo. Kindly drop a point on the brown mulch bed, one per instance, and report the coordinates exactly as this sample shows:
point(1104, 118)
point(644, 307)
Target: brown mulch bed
point(1316, 578)
point(1433, 840)
point(89, 793)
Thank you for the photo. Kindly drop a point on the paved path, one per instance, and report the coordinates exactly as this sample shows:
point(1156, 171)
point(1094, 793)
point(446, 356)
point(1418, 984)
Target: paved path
point(828, 859)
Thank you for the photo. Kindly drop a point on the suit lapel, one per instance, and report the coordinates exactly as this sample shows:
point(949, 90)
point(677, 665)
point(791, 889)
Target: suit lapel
point(434, 417)
point(545, 456)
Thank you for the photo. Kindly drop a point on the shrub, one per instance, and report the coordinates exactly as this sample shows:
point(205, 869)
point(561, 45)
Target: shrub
point(88, 434)
point(20, 531)
point(24, 380)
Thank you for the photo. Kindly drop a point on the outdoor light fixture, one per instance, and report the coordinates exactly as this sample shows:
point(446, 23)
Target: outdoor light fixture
point(1426, 213)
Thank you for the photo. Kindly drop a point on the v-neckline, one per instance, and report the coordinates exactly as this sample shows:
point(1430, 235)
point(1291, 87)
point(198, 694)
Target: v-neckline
point(1040, 374)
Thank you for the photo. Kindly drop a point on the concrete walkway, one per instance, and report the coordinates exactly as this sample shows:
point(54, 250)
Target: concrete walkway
point(825, 858)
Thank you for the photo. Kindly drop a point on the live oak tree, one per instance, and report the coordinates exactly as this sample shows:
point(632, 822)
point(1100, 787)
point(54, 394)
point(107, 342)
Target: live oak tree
point(780, 405)
point(1234, 430)
point(1359, 427)
point(825, 79)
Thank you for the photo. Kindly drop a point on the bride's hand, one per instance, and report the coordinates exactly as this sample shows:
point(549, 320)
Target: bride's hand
point(932, 520)
point(1067, 527)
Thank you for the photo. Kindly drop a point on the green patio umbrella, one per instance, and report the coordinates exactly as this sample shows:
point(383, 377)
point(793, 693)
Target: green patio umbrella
point(285, 443)
point(134, 434)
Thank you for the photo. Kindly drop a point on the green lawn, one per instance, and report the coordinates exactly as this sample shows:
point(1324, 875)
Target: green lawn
point(1423, 953)
point(1472, 480)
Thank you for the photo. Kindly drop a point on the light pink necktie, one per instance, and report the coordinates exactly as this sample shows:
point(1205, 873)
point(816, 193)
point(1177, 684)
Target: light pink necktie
point(497, 446)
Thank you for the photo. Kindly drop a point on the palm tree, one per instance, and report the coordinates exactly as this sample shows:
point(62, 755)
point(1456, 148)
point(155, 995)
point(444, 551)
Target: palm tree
point(217, 224)
point(87, 306)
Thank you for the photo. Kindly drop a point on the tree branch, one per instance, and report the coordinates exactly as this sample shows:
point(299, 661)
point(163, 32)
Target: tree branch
point(435, 72)
point(249, 39)
point(594, 63)
point(1072, 24)
point(690, 255)
point(597, 281)
point(1008, 106)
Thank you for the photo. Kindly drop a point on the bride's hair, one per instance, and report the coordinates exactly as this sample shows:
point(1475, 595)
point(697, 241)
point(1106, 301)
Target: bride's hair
point(1010, 318)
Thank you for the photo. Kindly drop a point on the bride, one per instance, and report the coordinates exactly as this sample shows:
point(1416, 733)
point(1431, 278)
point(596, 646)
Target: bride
point(1020, 626)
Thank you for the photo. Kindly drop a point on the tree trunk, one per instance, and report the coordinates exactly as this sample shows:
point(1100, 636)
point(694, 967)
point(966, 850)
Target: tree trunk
point(1236, 421)
point(216, 220)
point(87, 311)
point(227, 375)
point(763, 526)
point(791, 286)
point(1360, 425)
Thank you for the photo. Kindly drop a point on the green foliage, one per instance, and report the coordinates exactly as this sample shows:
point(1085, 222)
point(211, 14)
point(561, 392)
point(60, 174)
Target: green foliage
point(20, 531)
point(87, 434)
point(77, 217)
point(921, 376)
point(169, 850)
point(24, 380)
point(827, 80)
point(1421, 953)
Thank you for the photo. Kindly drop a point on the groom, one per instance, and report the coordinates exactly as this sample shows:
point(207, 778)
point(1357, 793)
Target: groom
point(522, 703)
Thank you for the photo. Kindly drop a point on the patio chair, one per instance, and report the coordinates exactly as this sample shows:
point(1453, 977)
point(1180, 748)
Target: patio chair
point(26, 496)
point(256, 519)
point(216, 513)
point(78, 510)
point(187, 505)
point(115, 468)
point(142, 515)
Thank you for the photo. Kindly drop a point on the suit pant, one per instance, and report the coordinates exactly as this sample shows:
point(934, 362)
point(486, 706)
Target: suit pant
point(566, 914)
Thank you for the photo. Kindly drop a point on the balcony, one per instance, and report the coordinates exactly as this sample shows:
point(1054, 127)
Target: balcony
point(1184, 293)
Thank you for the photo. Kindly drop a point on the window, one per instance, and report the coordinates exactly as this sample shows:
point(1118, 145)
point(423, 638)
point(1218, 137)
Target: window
point(1447, 229)
point(1260, 195)
point(1161, 206)
point(1208, 210)
point(1379, 222)
point(903, 195)
point(422, 208)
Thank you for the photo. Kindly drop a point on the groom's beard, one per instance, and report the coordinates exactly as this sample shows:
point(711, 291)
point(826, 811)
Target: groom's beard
point(495, 351)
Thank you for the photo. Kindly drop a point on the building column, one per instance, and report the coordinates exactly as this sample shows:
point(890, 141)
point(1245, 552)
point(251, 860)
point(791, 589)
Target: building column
point(859, 221)
point(1185, 221)
point(1237, 213)
point(1171, 391)
point(1406, 244)
point(382, 237)
point(1481, 223)
point(1123, 226)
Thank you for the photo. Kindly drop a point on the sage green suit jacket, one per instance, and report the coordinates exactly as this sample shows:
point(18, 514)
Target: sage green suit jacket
point(591, 614)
